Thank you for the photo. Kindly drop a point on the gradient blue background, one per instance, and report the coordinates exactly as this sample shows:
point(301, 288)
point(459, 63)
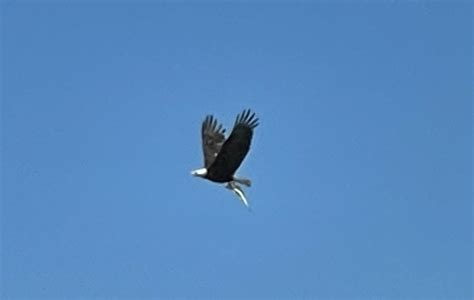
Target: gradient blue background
point(362, 164)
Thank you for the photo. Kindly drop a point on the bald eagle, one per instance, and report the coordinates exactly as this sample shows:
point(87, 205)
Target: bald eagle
point(222, 157)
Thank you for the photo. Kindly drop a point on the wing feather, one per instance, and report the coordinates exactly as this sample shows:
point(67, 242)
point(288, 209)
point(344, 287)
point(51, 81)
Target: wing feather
point(212, 139)
point(235, 148)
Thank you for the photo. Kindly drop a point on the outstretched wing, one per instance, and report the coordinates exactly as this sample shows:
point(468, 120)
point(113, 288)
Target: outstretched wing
point(212, 139)
point(236, 147)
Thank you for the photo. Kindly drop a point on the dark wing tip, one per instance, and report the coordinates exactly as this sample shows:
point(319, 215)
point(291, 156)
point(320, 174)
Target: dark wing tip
point(247, 118)
point(211, 125)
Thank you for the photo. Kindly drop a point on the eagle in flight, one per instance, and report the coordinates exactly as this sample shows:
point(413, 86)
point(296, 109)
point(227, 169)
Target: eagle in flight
point(222, 157)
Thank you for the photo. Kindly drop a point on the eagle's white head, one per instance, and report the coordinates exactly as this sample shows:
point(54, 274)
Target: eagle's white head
point(199, 172)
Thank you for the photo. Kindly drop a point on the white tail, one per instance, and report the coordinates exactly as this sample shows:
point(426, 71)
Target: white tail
point(243, 181)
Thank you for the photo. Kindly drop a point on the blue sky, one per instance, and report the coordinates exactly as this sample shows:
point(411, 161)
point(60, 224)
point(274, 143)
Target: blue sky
point(362, 165)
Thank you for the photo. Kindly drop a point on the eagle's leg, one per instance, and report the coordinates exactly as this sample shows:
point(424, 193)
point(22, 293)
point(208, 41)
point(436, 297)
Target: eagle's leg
point(243, 181)
point(238, 191)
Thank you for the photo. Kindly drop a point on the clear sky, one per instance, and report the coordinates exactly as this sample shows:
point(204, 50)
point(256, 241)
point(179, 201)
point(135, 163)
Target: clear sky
point(361, 165)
